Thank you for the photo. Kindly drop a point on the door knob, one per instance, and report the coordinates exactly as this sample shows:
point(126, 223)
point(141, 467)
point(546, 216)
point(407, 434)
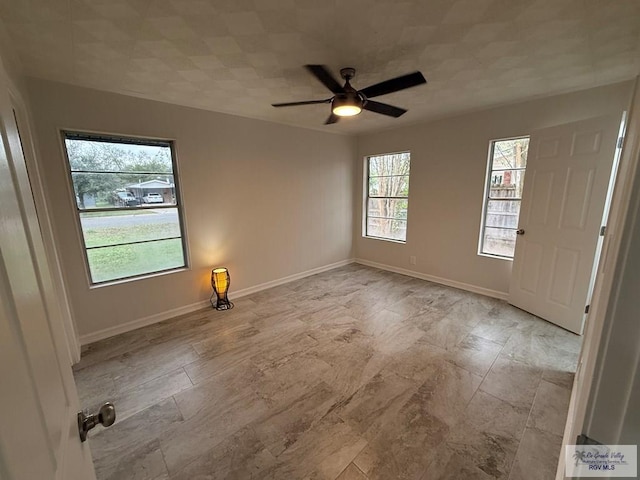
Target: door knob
point(106, 416)
point(520, 232)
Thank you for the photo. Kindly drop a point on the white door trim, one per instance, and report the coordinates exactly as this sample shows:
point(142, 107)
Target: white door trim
point(604, 292)
point(41, 201)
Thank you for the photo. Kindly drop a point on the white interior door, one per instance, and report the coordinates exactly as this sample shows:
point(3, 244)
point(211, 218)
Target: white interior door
point(38, 400)
point(567, 178)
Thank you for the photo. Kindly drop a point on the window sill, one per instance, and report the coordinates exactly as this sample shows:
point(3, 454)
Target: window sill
point(496, 257)
point(111, 283)
point(390, 240)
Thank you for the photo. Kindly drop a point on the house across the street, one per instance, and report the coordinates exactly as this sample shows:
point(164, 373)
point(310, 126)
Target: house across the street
point(165, 188)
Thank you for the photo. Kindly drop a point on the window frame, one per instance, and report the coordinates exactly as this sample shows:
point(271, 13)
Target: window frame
point(367, 178)
point(486, 196)
point(73, 134)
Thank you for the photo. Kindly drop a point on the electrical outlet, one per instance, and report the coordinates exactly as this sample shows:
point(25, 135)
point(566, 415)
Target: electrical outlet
point(412, 260)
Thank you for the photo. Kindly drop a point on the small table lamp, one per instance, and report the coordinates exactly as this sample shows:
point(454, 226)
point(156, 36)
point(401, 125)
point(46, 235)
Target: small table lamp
point(220, 282)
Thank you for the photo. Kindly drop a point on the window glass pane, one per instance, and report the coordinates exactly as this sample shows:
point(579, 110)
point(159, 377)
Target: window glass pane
point(510, 154)
point(498, 241)
point(390, 164)
point(503, 213)
point(397, 186)
point(387, 196)
point(99, 156)
point(115, 190)
point(388, 208)
point(506, 184)
point(385, 228)
point(127, 226)
point(507, 161)
point(113, 263)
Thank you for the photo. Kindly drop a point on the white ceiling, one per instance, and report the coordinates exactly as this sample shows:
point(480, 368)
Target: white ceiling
point(239, 56)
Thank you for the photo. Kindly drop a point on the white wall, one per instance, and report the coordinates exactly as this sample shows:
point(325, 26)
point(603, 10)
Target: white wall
point(448, 167)
point(265, 200)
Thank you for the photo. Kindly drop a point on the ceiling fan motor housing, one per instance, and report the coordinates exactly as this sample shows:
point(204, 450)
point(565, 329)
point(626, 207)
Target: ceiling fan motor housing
point(351, 102)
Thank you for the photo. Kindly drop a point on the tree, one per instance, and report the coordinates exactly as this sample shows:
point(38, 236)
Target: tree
point(147, 166)
point(86, 157)
point(510, 153)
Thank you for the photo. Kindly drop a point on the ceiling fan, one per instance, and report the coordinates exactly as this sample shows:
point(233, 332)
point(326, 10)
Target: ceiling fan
point(347, 101)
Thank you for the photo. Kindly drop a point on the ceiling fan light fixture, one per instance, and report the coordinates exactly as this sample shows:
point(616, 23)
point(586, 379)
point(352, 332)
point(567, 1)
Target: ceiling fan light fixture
point(347, 110)
point(346, 106)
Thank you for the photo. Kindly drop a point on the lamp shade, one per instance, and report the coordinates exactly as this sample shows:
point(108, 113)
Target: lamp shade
point(346, 105)
point(220, 282)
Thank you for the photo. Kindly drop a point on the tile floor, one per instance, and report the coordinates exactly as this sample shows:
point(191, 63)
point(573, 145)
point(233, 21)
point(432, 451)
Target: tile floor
point(355, 373)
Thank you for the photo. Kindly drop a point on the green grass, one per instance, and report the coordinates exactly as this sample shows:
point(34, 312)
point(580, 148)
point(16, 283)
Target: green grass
point(128, 260)
point(94, 237)
point(119, 261)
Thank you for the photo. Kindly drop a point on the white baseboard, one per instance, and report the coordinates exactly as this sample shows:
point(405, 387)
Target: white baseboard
point(140, 322)
point(432, 278)
point(167, 314)
point(297, 276)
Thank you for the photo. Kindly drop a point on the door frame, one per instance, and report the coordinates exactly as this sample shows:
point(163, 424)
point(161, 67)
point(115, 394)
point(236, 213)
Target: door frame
point(41, 201)
point(34, 442)
point(605, 289)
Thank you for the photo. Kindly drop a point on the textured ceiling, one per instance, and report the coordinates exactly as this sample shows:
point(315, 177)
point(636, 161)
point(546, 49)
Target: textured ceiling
point(239, 56)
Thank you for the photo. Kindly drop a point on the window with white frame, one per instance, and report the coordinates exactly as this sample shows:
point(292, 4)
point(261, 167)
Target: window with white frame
point(503, 195)
point(387, 199)
point(127, 205)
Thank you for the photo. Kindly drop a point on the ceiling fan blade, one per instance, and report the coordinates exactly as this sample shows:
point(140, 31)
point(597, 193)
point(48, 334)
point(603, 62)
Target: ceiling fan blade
point(333, 118)
point(394, 85)
point(293, 104)
point(384, 109)
point(322, 74)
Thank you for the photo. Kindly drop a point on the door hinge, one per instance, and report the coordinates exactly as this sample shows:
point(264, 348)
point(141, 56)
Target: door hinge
point(602, 230)
point(586, 309)
point(620, 142)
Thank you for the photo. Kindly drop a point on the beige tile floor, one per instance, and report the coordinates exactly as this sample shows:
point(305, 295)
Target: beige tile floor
point(355, 373)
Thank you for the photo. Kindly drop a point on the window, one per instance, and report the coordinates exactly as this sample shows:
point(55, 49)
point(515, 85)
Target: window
point(505, 179)
point(387, 196)
point(127, 202)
